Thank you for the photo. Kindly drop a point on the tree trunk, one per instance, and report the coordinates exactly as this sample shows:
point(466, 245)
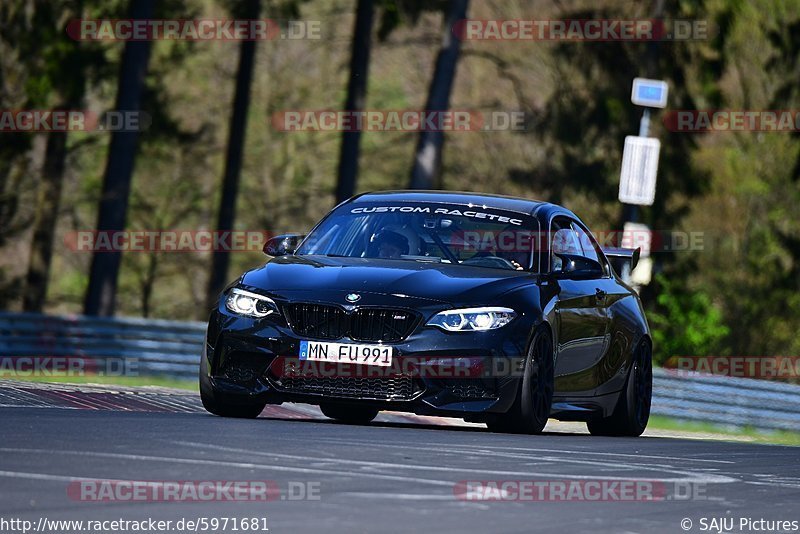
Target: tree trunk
point(148, 283)
point(356, 98)
point(233, 161)
point(426, 173)
point(102, 292)
point(44, 224)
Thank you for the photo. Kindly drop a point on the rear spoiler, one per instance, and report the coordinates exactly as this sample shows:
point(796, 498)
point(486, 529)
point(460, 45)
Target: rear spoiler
point(626, 254)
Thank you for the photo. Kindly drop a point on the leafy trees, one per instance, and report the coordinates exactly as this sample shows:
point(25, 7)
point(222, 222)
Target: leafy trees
point(737, 295)
point(15, 164)
point(686, 323)
point(749, 265)
point(102, 292)
point(356, 97)
point(235, 149)
point(67, 67)
point(426, 170)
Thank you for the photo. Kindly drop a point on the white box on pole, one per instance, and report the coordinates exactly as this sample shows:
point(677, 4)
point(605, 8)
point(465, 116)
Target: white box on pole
point(649, 93)
point(642, 275)
point(637, 181)
point(637, 235)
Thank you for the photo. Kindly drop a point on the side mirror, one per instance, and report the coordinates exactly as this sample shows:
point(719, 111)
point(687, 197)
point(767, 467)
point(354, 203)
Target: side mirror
point(282, 245)
point(576, 266)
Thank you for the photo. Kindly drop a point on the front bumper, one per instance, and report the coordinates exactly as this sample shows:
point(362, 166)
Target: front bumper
point(433, 372)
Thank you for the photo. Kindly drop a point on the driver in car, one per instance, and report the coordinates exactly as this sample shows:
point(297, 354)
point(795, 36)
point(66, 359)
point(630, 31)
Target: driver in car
point(517, 250)
point(390, 244)
point(493, 250)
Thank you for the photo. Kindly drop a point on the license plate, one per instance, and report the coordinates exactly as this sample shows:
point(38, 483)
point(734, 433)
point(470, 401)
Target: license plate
point(320, 351)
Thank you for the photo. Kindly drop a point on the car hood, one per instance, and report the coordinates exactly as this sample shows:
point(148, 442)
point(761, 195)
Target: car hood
point(316, 276)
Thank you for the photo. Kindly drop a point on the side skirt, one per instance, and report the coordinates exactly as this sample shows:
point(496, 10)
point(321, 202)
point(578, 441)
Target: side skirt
point(584, 409)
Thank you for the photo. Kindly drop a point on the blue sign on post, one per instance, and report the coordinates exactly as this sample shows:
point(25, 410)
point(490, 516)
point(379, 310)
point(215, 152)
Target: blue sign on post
point(649, 93)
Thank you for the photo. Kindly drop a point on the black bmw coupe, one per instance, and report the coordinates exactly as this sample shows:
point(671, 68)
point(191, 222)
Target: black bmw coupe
point(494, 309)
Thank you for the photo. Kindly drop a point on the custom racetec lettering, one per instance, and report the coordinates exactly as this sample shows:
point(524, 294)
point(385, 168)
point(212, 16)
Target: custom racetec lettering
point(449, 212)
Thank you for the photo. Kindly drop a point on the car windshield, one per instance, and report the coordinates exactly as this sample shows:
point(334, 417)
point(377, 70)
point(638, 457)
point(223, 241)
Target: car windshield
point(457, 234)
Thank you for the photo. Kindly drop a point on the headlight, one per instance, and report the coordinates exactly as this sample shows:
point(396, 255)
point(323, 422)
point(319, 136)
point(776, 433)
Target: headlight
point(250, 304)
point(472, 319)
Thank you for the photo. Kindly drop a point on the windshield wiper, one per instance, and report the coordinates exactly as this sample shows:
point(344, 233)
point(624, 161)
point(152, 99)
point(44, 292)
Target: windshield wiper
point(423, 259)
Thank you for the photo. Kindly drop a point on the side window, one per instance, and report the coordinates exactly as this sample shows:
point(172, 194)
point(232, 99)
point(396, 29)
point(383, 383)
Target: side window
point(586, 243)
point(588, 246)
point(564, 241)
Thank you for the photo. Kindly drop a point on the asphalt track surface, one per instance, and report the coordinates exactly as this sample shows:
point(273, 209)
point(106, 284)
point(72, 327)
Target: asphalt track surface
point(400, 474)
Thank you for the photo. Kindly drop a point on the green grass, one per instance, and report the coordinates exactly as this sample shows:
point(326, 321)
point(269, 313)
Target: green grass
point(778, 437)
point(190, 385)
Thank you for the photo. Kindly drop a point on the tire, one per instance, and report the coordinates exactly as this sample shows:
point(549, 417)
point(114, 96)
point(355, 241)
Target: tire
point(218, 406)
point(226, 409)
point(531, 409)
point(632, 411)
point(354, 415)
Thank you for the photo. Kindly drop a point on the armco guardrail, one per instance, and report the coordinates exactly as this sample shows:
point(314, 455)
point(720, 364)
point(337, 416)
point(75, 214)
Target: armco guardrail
point(143, 346)
point(173, 348)
point(726, 400)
